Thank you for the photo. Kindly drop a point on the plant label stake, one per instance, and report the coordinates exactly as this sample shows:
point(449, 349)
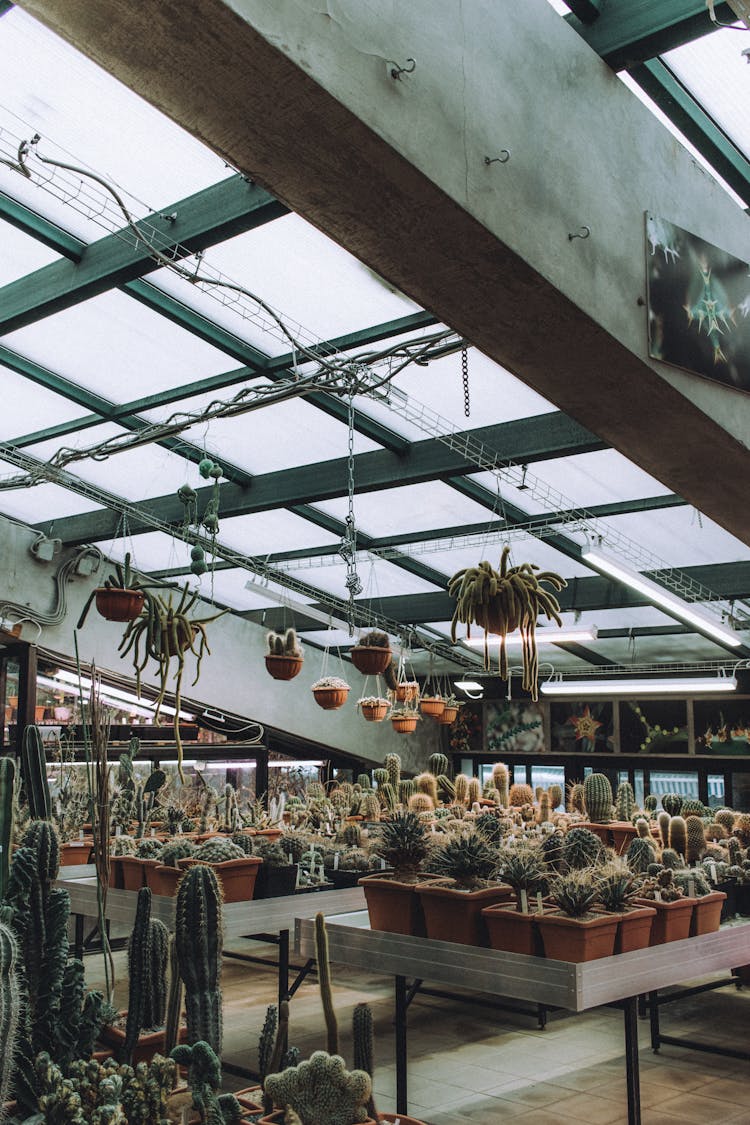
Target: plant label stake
point(539, 904)
point(691, 888)
point(524, 901)
point(336, 861)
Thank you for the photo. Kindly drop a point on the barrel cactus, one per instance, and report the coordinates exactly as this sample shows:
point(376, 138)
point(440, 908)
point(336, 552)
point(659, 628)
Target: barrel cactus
point(218, 850)
point(640, 854)
point(582, 848)
point(597, 796)
point(624, 801)
point(438, 764)
point(672, 803)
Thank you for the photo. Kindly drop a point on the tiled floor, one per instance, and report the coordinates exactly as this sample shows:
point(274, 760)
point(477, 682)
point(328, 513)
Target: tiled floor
point(471, 1064)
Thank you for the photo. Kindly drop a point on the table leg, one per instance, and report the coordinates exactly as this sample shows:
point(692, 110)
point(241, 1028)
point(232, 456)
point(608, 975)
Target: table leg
point(653, 1005)
point(401, 1010)
point(630, 1007)
point(283, 966)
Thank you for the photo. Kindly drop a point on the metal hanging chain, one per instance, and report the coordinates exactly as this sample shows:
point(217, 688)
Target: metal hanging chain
point(465, 376)
point(348, 547)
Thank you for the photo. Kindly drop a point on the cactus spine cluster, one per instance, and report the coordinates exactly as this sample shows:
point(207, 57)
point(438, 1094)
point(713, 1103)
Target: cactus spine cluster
point(581, 848)
point(34, 774)
point(421, 803)
point(597, 796)
point(199, 936)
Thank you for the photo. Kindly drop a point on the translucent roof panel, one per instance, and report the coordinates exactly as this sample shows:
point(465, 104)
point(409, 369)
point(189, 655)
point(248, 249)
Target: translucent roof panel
point(47, 84)
point(680, 537)
point(280, 436)
point(43, 503)
point(153, 551)
point(321, 290)
point(21, 253)
point(136, 474)
point(418, 507)
point(116, 347)
point(28, 408)
point(714, 70)
point(266, 532)
point(379, 580)
point(526, 549)
point(495, 394)
point(229, 588)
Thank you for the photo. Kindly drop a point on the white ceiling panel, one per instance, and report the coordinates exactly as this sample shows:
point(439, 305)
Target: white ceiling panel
point(715, 71)
point(679, 537)
point(28, 408)
point(263, 533)
point(417, 507)
point(20, 253)
point(43, 503)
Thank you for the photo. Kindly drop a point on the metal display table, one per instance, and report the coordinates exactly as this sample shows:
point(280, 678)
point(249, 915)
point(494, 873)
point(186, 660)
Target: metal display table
point(617, 981)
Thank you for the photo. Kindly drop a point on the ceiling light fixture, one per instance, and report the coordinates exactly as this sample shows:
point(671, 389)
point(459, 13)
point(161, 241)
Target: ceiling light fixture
point(543, 637)
point(472, 688)
point(660, 597)
point(583, 689)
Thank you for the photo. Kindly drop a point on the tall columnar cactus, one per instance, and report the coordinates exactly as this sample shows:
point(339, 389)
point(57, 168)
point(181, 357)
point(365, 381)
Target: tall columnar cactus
point(324, 979)
point(475, 791)
point(461, 789)
point(640, 854)
point(392, 763)
point(388, 797)
point(406, 789)
point(500, 780)
point(438, 764)
point(362, 1038)
point(139, 811)
point(139, 965)
point(174, 1000)
point(678, 835)
point(321, 1091)
point(352, 835)
point(427, 783)
point(625, 801)
point(597, 795)
point(199, 931)
point(693, 808)
point(10, 1009)
point(34, 774)
point(663, 820)
point(7, 806)
point(576, 803)
point(696, 839)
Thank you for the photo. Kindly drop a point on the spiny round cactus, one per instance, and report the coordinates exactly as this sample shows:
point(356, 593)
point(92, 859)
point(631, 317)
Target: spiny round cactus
point(741, 828)
point(352, 835)
point(363, 779)
point(174, 850)
point(678, 835)
point(696, 839)
point(725, 817)
point(421, 803)
point(670, 858)
point(624, 801)
point(643, 828)
point(489, 827)
point(650, 803)
point(697, 877)
point(438, 764)
point(597, 796)
point(149, 848)
point(217, 850)
point(490, 793)
point(380, 775)
point(322, 1091)
point(582, 848)
point(640, 854)
point(427, 783)
point(672, 803)
point(247, 844)
point(123, 845)
point(693, 808)
point(552, 850)
point(734, 848)
point(520, 795)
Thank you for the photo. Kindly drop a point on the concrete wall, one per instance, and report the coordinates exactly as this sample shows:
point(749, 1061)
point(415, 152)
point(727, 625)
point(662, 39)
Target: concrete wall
point(233, 677)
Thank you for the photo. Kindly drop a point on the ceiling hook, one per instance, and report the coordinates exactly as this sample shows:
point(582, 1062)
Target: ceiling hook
point(582, 232)
point(503, 158)
point(397, 71)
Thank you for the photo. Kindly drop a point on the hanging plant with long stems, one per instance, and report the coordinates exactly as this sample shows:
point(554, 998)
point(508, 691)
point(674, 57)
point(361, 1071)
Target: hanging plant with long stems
point(166, 632)
point(501, 601)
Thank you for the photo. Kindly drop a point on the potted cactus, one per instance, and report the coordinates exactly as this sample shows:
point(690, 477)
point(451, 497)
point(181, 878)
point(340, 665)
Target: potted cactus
point(330, 692)
point(121, 597)
point(432, 705)
point(374, 708)
point(404, 720)
point(617, 893)
point(372, 655)
point(237, 871)
point(392, 902)
point(320, 1090)
point(450, 711)
point(512, 927)
point(277, 875)
point(575, 932)
point(284, 657)
point(467, 867)
point(165, 874)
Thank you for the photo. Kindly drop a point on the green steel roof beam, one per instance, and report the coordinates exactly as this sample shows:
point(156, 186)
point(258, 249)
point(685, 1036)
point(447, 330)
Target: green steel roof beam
point(45, 231)
point(202, 220)
point(5, 6)
point(523, 441)
point(628, 32)
point(585, 10)
point(701, 130)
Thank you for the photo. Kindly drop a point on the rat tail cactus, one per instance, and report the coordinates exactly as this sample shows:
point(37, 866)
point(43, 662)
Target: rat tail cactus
point(199, 936)
point(322, 1091)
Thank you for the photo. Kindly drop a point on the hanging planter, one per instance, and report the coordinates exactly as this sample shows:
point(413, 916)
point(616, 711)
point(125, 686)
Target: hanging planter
point(330, 692)
point(121, 598)
point(449, 715)
point(404, 722)
point(374, 708)
point(432, 705)
point(372, 655)
point(407, 691)
point(284, 657)
point(500, 602)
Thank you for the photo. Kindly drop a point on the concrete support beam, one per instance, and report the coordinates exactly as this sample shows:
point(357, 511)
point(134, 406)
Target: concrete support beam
point(394, 170)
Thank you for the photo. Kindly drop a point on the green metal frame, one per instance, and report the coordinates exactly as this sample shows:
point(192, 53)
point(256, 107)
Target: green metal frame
point(628, 32)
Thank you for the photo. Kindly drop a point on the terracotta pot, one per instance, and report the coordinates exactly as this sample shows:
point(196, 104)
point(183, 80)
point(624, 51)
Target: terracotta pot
point(251, 1099)
point(634, 929)
point(184, 640)
point(237, 876)
point(622, 834)
point(707, 913)
point(672, 921)
point(370, 661)
point(400, 1118)
point(269, 833)
point(433, 705)
point(455, 915)
point(163, 879)
point(75, 851)
point(277, 1118)
point(405, 724)
point(600, 830)
point(149, 1043)
point(578, 939)
point(133, 870)
point(406, 691)
point(393, 905)
point(449, 715)
point(512, 930)
point(330, 699)
point(374, 712)
point(283, 667)
point(118, 605)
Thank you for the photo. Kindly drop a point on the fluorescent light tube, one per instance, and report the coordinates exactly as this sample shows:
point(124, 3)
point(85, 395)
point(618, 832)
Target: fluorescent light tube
point(582, 689)
point(546, 636)
point(661, 597)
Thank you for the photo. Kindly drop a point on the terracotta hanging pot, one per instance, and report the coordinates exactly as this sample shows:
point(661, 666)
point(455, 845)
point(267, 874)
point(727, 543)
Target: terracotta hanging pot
point(118, 605)
point(330, 699)
point(432, 705)
point(406, 691)
point(448, 716)
point(283, 667)
point(370, 661)
point(184, 639)
point(374, 712)
point(404, 724)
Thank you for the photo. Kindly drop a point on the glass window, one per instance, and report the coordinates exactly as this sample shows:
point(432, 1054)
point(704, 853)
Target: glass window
point(716, 798)
point(545, 776)
point(519, 775)
point(741, 792)
point(639, 788)
point(515, 726)
point(673, 781)
point(467, 767)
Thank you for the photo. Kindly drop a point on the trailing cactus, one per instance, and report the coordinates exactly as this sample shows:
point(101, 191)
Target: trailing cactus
point(321, 1091)
point(520, 795)
point(576, 802)
point(438, 764)
point(696, 840)
point(582, 848)
point(7, 808)
point(199, 932)
point(392, 763)
point(597, 796)
point(461, 789)
point(34, 774)
point(624, 801)
point(406, 789)
point(10, 1009)
point(324, 981)
point(204, 1079)
point(672, 803)
point(427, 783)
point(678, 835)
point(640, 854)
